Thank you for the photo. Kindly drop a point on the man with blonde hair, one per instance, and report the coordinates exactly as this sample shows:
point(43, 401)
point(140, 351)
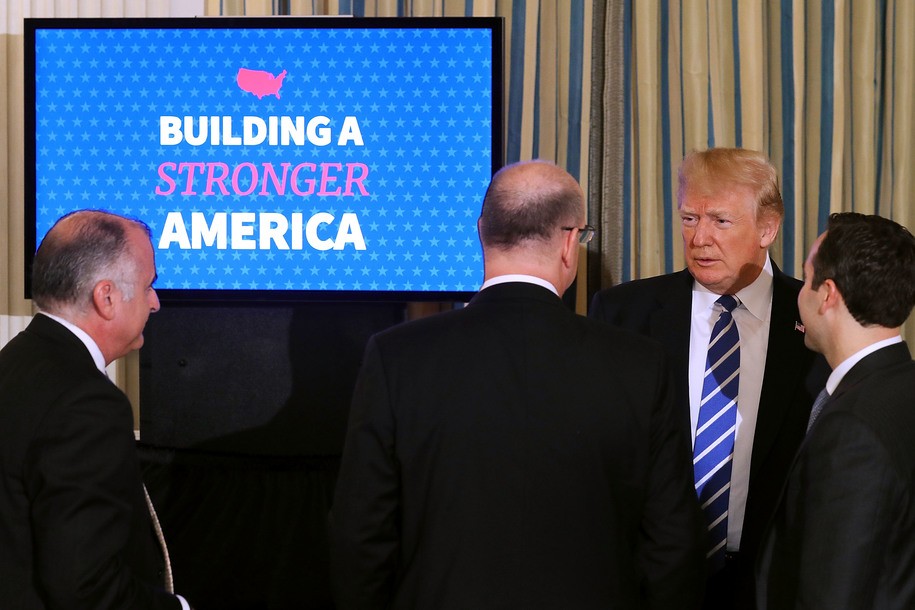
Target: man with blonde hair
point(744, 381)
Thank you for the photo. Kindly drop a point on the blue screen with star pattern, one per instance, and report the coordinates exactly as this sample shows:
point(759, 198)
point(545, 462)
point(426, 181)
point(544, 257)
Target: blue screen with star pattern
point(290, 158)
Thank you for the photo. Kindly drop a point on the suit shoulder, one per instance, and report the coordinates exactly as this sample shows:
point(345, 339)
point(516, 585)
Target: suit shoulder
point(422, 330)
point(785, 281)
point(632, 304)
point(649, 286)
point(883, 403)
point(42, 370)
point(636, 345)
point(34, 356)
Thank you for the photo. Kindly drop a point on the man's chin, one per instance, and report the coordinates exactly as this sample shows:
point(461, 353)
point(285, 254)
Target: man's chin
point(810, 342)
point(706, 277)
point(137, 344)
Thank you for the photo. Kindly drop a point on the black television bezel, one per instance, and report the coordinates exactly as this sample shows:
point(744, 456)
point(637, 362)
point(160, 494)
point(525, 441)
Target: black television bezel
point(31, 25)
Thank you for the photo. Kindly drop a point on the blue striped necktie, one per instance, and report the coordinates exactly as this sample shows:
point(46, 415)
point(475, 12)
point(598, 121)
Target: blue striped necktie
point(714, 447)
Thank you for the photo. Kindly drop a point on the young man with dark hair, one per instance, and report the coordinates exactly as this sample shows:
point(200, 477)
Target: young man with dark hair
point(844, 532)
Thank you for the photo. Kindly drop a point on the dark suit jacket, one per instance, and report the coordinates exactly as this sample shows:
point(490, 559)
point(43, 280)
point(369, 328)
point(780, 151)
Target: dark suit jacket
point(844, 533)
point(75, 531)
point(514, 455)
point(660, 307)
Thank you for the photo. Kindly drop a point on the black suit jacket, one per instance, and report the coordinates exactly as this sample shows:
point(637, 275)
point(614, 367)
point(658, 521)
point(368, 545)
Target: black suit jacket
point(844, 533)
point(75, 531)
point(514, 455)
point(660, 307)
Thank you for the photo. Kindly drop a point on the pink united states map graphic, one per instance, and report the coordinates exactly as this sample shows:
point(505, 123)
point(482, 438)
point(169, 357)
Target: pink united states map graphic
point(259, 82)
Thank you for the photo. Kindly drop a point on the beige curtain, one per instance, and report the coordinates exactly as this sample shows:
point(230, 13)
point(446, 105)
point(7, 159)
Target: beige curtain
point(824, 88)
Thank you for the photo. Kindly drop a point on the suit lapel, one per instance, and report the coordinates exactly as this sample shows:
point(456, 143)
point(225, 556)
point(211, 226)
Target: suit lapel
point(897, 353)
point(784, 370)
point(670, 324)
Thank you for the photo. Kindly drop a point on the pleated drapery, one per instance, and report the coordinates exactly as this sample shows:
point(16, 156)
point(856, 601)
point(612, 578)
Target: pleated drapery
point(826, 88)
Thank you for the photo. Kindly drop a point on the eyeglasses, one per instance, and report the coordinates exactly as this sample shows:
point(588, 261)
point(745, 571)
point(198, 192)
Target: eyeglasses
point(586, 233)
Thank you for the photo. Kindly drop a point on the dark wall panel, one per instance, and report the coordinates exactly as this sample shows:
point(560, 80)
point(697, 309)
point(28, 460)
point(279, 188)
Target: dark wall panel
point(270, 380)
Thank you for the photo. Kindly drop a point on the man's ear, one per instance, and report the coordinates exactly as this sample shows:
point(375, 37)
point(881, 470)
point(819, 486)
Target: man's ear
point(103, 299)
point(830, 295)
point(768, 229)
point(570, 248)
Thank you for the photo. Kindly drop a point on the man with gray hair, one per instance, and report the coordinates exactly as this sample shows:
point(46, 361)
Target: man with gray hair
point(513, 454)
point(75, 524)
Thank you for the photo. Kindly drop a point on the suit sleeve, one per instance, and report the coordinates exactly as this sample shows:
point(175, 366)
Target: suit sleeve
point(599, 308)
point(672, 537)
point(846, 493)
point(363, 523)
point(82, 477)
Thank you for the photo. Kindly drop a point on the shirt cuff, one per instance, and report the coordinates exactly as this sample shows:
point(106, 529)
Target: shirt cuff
point(184, 604)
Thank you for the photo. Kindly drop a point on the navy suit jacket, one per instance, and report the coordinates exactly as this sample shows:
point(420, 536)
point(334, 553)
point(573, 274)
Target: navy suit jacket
point(75, 531)
point(510, 455)
point(661, 307)
point(843, 536)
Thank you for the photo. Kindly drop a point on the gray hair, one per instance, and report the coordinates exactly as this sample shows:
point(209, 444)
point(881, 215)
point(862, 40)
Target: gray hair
point(528, 200)
point(81, 249)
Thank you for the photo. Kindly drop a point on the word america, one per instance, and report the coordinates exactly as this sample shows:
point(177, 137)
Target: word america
point(236, 230)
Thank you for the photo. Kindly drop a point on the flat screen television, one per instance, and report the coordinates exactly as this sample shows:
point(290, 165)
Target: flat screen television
point(289, 158)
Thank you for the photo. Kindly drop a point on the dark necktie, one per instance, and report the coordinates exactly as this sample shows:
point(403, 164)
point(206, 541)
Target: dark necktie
point(821, 400)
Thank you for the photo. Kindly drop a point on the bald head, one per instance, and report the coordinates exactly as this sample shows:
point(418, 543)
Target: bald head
point(525, 223)
point(529, 201)
point(79, 250)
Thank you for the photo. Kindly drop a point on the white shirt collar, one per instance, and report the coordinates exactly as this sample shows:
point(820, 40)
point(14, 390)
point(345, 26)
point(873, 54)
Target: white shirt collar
point(756, 298)
point(83, 336)
point(846, 365)
point(518, 277)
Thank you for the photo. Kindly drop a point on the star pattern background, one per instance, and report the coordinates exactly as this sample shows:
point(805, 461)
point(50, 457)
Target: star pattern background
point(421, 96)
